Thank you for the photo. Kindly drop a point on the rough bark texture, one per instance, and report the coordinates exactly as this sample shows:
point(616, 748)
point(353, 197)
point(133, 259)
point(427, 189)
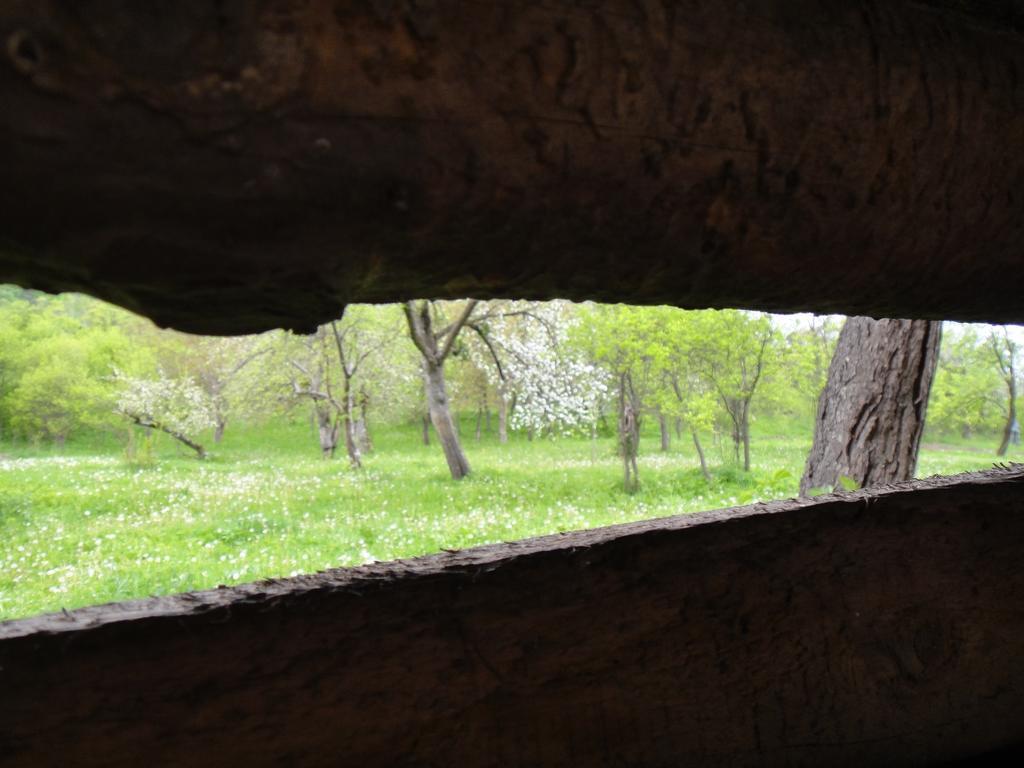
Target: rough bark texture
point(272, 161)
point(878, 627)
point(871, 412)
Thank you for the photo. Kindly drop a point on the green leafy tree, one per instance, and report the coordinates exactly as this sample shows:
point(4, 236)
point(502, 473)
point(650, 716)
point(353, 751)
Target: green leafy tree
point(968, 395)
point(59, 357)
point(731, 350)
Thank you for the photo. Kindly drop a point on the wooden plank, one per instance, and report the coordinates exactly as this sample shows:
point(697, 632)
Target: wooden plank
point(872, 627)
point(232, 167)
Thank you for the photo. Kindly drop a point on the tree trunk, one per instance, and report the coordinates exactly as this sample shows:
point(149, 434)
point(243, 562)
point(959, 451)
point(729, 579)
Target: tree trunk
point(218, 431)
point(732, 407)
point(327, 431)
point(426, 427)
point(629, 433)
point(745, 432)
point(441, 418)
point(872, 410)
point(679, 428)
point(665, 437)
point(502, 417)
point(348, 417)
point(478, 432)
point(1011, 418)
point(363, 437)
point(700, 455)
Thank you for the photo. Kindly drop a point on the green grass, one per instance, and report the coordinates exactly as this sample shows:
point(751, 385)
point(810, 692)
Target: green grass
point(81, 526)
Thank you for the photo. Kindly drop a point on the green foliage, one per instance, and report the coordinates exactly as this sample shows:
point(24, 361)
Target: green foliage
point(848, 483)
point(800, 362)
point(57, 358)
point(968, 394)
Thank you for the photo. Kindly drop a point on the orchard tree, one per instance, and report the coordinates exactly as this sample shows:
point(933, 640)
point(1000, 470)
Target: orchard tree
point(626, 341)
point(683, 396)
point(310, 362)
point(792, 384)
point(434, 336)
point(218, 366)
point(56, 364)
point(629, 431)
point(871, 413)
point(731, 348)
point(177, 407)
point(525, 350)
point(1005, 351)
point(968, 394)
point(329, 366)
point(357, 338)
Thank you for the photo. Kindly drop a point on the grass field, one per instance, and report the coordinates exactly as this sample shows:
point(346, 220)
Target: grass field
point(83, 526)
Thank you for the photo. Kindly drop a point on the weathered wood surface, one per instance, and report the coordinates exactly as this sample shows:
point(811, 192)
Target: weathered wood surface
point(882, 627)
point(228, 167)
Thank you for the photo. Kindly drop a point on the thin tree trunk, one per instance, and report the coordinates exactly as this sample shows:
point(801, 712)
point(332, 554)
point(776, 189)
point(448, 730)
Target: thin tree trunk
point(434, 354)
point(679, 428)
point(502, 418)
point(629, 433)
point(700, 455)
point(487, 419)
point(665, 436)
point(218, 431)
point(426, 428)
point(348, 417)
point(365, 441)
point(441, 418)
point(871, 413)
point(745, 433)
point(1011, 418)
point(478, 433)
point(732, 408)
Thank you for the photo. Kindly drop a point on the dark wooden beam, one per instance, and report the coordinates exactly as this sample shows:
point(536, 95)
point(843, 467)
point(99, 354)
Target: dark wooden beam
point(876, 627)
point(228, 167)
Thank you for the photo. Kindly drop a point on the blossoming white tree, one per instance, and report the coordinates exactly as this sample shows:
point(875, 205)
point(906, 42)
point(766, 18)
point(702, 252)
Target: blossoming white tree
point(178, 407)
point(525, 353)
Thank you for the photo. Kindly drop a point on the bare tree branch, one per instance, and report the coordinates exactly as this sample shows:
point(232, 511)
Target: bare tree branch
point(453, 330)
point(491, 349)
